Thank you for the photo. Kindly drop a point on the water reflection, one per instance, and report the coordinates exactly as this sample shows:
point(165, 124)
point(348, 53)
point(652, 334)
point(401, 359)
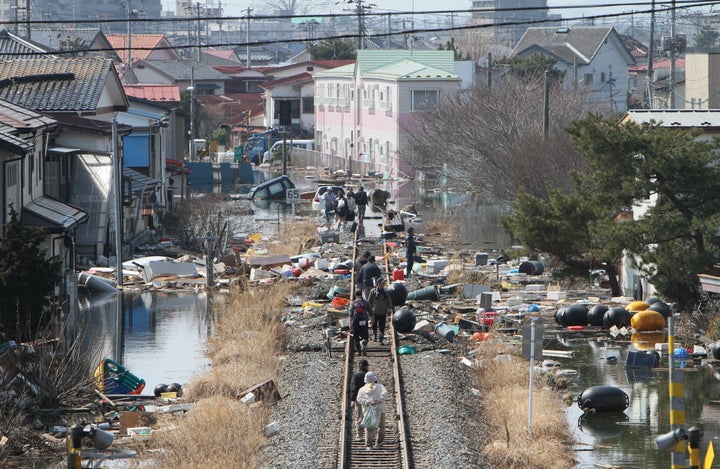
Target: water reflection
point(627, 439)
point(162, 334)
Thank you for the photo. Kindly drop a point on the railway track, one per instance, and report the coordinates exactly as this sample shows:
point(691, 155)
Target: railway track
point(395, 450)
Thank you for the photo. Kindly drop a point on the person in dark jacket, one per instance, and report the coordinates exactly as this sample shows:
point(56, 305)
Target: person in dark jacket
point(360, 315)
point(359, 262)
point(381, 305)
point(361, 202)
point(368, 273)
point(410, 250)
point(358, 381)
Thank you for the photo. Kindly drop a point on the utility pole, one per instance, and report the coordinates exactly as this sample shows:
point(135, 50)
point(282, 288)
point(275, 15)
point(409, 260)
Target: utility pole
point(247, 37)
point(191, 143)
point(671, 80)
point(651, 50)
point(546, 105)
point(197, 28)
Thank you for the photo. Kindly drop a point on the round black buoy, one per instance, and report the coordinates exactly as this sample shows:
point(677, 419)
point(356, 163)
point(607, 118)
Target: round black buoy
point(661, 308)
point(575, 315)
point(403, 321)
point(176, 388)
point(398, 293)
point(715, 350)
point(159, 389)
point(595, 315)
point(603, 399)
point(560, 316)
point(618, 317)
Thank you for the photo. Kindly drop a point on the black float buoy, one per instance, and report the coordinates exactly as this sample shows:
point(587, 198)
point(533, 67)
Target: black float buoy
point(618, 317)
point(159, 389)
point(595, 315)
point(603, 399)
point(403, 321)
point(398, 293)
point(176, 388)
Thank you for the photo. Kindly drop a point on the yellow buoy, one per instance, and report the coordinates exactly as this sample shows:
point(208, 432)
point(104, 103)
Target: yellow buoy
point(638, 306)
point(647, 320)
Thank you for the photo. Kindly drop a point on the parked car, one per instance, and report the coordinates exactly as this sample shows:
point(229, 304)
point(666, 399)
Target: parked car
point(275, 151)
point(318, 204)
point(274, 189)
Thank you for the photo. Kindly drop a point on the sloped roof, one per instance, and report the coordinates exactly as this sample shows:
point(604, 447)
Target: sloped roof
point(408, 69)
point(675, 118)
point(305, 77)
point(46, 212)
point(142, 45)
point(88, 37)
point(227, 54)
point(663, 63)
point(182, 70)
point(161, 93)
point(13, 46)
point(13, 119)
point(368, 60)
point(59, 85)
point(583, 41)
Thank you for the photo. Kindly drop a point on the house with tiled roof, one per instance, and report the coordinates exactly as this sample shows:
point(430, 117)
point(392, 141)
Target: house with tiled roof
point(158, 135)
point(143, 47)
point(363, 110)
point(182, 73)
point(86, 42)
point(215, 57)
point(594, 58)
point(82, 95)
point(13, 46)
point(24, 135)
point(659, 83)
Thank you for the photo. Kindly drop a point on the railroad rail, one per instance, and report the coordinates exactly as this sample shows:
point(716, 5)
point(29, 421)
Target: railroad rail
point(395, 450)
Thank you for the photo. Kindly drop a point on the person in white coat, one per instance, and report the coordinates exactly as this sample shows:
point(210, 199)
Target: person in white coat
point(373, 395)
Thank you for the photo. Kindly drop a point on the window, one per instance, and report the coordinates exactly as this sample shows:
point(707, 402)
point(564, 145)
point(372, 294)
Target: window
point(588, 79)
point(602, 77)
point(308, 105)
point(424, 99)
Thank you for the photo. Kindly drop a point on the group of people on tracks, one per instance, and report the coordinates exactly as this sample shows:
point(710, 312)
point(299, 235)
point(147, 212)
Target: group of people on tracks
point(345, 206)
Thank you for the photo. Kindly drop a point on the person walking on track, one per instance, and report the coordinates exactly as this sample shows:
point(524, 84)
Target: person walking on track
point(372, 398)
point(361, 201)
point(360, 313)
point(357, 382)
point(381, 305)
point(410, 250)
point(368, 273)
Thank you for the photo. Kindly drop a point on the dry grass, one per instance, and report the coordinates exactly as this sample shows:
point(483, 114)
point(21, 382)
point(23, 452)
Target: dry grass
point(216, 432)
point(220, 431)
point(504, 388)
point(295, 238)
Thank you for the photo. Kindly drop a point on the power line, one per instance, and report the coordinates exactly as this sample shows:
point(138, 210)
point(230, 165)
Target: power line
point(687, 3)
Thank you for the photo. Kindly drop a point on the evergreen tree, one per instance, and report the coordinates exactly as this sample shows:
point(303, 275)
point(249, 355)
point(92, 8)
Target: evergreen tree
point(667, 178)
point(27, 278)
point(707, 40)
point(533, 68)
point(332, 49)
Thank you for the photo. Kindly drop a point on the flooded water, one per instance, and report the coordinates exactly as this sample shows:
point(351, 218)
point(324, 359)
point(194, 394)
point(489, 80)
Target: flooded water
point(627, 439)
point(160, 337)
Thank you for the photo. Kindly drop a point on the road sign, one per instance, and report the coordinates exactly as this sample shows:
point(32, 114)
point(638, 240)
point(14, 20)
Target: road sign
point(292, 196)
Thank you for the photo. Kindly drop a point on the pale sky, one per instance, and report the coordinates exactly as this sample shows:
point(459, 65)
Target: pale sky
point(237, 7)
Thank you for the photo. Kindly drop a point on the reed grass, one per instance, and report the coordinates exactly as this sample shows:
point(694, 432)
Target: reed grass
point(504, 387)
point(220, 431)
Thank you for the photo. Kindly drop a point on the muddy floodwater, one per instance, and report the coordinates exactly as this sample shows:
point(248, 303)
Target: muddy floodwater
point(161, 337)
point(627, 439)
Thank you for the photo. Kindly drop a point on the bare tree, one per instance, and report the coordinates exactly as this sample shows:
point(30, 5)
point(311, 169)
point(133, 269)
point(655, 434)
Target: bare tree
point(289, 7)
point(493, 141)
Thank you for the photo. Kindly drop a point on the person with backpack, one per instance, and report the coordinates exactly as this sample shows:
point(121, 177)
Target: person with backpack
point(341, 209)
point(410, 250)
point(381, 305)
point(359, 323)
point(361, 201)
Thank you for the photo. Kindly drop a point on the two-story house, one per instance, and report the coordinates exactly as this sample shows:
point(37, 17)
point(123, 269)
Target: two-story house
point(24, 135)
point(363, 111)
point(594, 59)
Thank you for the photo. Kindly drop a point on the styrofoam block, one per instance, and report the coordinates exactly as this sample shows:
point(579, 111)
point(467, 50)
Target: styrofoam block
point(556, 295)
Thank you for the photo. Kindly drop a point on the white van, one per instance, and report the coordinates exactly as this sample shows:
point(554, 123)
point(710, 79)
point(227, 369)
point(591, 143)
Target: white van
point(277, 146)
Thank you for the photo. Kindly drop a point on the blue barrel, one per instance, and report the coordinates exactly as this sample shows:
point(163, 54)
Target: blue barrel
point(427, 293)
point(603, 399)
point(443, 330)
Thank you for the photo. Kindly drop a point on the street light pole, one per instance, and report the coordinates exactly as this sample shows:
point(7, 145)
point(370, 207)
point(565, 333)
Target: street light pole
point(247, 37)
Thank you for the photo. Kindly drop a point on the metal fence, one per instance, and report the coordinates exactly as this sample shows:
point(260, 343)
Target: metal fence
point(301, 158)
